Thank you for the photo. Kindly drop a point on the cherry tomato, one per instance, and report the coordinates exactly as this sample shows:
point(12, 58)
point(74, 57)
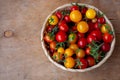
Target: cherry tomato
point(87, 51)
point(80, 53)
point(90, 13)
point(101, 20)
point(68, 52)
point(53, 20)
point(97, 34)
point(62, 22)
point(67, 18)
point(61, 50)
point(82, 63)
point(105, 47)
point(47, 38)
point(57, 56)
point(91, 61)
point(75, 16)
point(74, 8)
point(73, 46)
point(91, 38)
point(69, 62)
point(61, 36)
point(105, 28)
point(107, 38)
point(82, 27)
point(53, 45)
point(97, 26)
point(58, 14)
point(91, 26)
point(80, 35)
point(72, 38)
point(82, 42)
point(49, 28)
point(63, 27)
point(83, 11)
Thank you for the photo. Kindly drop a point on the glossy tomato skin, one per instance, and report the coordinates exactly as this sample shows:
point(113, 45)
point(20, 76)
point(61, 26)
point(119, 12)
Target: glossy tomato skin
point(107, 38)
point(82, 42)
point(87, 50)
point(97, 34)
point(91, 38)
point(63, 27)
point(91, 61)
point(47, 38)
point(49, 28)
point(105, 47)
point(61, 36)
point(67, 18)
point(101, 20)
point(58, 14)
point(96, 26)
point(83, 11)
point(80, 35)
point(91, 26)
point(53, 45)
point(84, 63)
point(74, 8)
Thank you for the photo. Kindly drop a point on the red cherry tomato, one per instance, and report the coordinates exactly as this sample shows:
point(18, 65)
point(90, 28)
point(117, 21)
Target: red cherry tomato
point(87, 51)
point(63, 27)
point(58, 14)
point(82, 42)
point(61, 36)
point(67, 18)
point(83, 63)
point(101, 20)
point(49, 28)
point(105, 47)
point(74, 8)
point(107, 38)
point(80, 35)
point(97, 34)
point(91, 26)
point(91, 61)
point(91, 38)
point(83, 11)
point(97, 26)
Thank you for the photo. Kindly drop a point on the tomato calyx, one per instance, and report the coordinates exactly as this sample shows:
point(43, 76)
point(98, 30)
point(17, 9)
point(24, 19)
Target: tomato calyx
point(94, 49)
point(53, 31)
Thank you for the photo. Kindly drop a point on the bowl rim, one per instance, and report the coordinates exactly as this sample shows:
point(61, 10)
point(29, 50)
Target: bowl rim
point(78, 70)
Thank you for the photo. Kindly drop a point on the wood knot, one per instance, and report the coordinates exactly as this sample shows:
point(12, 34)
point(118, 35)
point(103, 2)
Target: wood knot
point(8, 33)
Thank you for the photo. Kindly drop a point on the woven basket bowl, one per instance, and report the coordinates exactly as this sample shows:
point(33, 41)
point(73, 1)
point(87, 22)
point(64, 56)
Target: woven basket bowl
point(108, 54)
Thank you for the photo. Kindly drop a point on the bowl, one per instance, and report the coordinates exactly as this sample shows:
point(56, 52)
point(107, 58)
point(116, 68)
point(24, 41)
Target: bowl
point(108, 54)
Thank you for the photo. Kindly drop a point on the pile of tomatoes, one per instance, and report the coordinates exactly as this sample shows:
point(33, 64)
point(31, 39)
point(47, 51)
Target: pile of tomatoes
point(77, 37)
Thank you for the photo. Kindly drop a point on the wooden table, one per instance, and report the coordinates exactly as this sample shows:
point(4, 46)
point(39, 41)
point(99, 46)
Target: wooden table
point(21, 54)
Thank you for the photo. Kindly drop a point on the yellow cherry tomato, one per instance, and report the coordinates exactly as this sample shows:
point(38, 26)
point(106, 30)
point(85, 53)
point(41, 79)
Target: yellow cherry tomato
point(105, 28)
point(73, 46)
point(61, 50)
point(57, 56)
point(69, 62)
point(75, 16)
point(82, 27)
point(90, 13)
point(68, 52)
point(53, 20)
point(72, 38)
point(80, 53)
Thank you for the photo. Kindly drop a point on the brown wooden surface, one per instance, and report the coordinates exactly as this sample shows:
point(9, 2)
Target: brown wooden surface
point(21, 55)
